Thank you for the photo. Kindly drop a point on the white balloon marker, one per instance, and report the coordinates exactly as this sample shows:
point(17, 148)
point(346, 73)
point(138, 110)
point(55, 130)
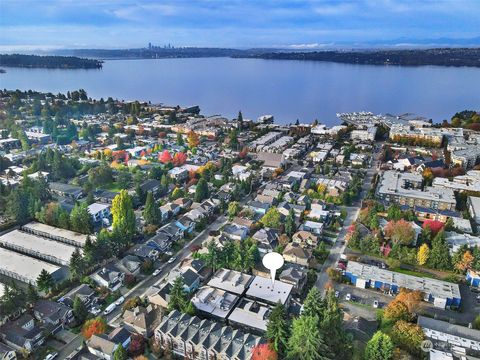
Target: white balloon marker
point(273, 261)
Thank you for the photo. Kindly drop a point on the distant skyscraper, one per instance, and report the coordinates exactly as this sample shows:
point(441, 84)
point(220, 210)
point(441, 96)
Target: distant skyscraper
point(149, 46)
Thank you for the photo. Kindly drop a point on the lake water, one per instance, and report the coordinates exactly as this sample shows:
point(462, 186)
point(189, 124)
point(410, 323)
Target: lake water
point(289, 90)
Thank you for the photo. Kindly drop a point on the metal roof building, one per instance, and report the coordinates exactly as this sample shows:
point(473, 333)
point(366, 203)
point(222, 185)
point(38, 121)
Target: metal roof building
point(441, 293)
point(57, 234)
point(40, 247)
point(25, 268)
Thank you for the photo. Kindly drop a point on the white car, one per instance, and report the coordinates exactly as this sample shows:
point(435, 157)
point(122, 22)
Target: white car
point(348, 297)
point(171, 260)
point(337, 294)
point(95, 311)
point(375, 304)
point(120, 301)
point(51, 356)
point(156, 272)
point(109, 309)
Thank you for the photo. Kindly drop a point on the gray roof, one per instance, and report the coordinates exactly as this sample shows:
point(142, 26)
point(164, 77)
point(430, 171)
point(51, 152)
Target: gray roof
point(262, 289)
point(447, 328)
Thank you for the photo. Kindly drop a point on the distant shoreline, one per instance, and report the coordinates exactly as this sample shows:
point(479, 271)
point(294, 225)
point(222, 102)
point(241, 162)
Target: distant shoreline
point(48, 62)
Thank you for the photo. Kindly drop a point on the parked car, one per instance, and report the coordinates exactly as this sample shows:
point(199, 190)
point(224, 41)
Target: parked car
point(171, 260)
point(156, 272)
point(337, 294)
point(109, 309)
point(348, 297)
point(120, 301)
point(51, 356)
point(95, 311)
point(375, 304)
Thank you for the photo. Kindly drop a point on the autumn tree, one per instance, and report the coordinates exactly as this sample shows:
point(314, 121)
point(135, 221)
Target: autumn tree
point(179, 159)
point(233, 209)
point(411, 298)
point(193, 139)
point(165, 157)
point(379, 347)
point(94, 326)
point(408, 336)
point(396, 310)
point(264, 352)
point(400, 232)
point(423, 254)
point(466, 262)
point(123, 217)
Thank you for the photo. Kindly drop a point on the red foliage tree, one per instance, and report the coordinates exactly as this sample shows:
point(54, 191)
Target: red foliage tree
point(127, 158)
point(434, 225)
point(137, 345)
point(179, 159)
point(242, 154)
point(94, 326)
point(264, 352)
point(165, 157)
point(162, 134)
point(142, 154)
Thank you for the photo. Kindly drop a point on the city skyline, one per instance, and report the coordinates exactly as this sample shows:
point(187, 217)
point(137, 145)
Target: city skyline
point(30, 25)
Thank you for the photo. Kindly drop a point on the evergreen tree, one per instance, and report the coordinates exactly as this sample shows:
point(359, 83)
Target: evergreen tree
point(201, 191)
point(123, 217)
point(313, 305)
point(306, 342)
point(379, 347)
point(278, 328)
point(151, 213)
point(290, 225)
point(120, 353)
point(77, 265)
point(178, 296)
point(80, 219)
point(80, 311)
point(45, 281)
point(439, 254)
point(32, 294)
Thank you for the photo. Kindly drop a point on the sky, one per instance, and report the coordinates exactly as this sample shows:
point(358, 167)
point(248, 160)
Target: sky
point(53, 24)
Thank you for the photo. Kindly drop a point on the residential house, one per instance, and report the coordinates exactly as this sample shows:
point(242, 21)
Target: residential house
point(131, 264)
point(178, 173)
point(150, 186)
point(54, 316)
point(258, 207)
point(296, 254)
point(295, 276)
point(22, 333)
point(84, 292)
point(235, 231)
point(262, 289)
point(169, 210)
point(173, 232)
point(66, 190)
point(232, 281)
point(99, 211)
point(7, 353)
point(191, 280)
point(305, 238)
point(185, 224)
point(109, 276)
point(160, 242)
point(159, 295)
point(104, 346)
point(267, 239)
point(312, 226)
point(140, 320)
point(145, 252)
point(198, 266)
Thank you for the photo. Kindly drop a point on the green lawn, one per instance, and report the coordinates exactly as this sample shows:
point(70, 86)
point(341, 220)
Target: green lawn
point(113, 186)
point(415, 273)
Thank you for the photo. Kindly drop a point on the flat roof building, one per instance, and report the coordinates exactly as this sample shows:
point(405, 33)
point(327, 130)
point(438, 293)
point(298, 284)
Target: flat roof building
point(57, 234)
point(262, 289)
point(230, 280)
point(26, 268)
point(441, 293)
point(214, 302)
point(405, 189)
point(250, 315)
point(40, 247)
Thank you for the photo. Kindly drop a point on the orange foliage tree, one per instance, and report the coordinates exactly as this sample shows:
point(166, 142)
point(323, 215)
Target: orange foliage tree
point(264, 352)
point(165, 157)
point(179, 159)
point(94, 326)
point(400, 232)
point(193, 139)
